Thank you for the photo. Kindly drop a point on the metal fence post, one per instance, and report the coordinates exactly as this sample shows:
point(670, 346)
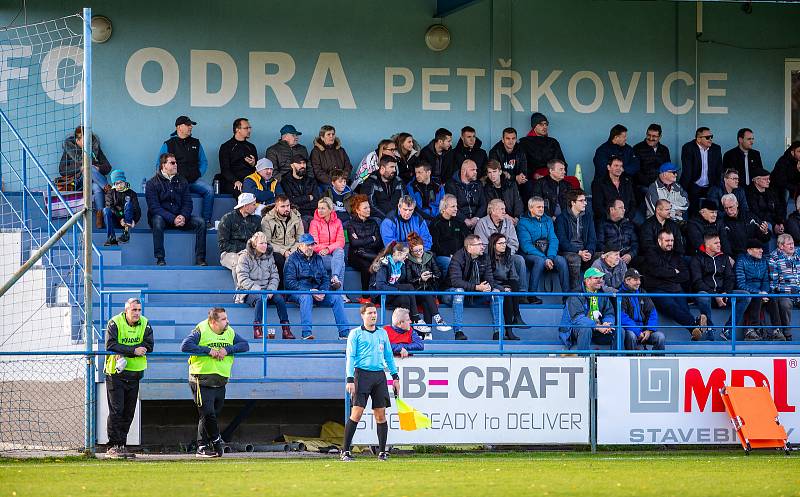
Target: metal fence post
point(593, 402)
point(733, 324)
point(264, 329)
point(618, 327)
point(24, 189)
point(87, 229)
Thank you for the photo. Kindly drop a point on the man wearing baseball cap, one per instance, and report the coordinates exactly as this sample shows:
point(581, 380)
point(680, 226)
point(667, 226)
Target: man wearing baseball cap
point(639, 318)
point(235, 229)
point(287, 147)
point(666, 187)
point(588, 320)
point(192, 162)
point(304, 270)
point(262, 184)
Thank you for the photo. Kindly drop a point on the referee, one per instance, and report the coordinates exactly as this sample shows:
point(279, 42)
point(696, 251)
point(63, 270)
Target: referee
point(130, 337)
point(368, 348)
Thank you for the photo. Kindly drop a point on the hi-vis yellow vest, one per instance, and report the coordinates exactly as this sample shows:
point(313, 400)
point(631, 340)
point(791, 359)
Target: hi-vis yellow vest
point(205, 364)
point(132, 336)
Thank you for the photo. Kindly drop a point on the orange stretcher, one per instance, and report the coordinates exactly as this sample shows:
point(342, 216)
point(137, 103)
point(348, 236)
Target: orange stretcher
point(755, 418)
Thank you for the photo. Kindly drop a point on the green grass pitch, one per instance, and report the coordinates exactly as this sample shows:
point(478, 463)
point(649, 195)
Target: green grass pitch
point(707, 473)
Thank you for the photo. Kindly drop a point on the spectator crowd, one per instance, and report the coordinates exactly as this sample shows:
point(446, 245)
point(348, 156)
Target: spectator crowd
point(439, 217)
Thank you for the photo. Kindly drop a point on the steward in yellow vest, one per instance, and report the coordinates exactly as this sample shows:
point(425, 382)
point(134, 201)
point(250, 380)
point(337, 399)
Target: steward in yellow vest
point(130, 337)
point(212, 344)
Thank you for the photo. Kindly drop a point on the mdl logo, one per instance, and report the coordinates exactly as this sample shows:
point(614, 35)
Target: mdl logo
point(655, 385)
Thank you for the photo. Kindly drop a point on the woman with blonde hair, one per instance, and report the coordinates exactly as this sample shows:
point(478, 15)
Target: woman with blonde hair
point(327, 230)
point(256, 270)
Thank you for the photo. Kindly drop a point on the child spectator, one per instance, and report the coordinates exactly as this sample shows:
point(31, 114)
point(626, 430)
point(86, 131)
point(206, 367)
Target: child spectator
point(122, 208)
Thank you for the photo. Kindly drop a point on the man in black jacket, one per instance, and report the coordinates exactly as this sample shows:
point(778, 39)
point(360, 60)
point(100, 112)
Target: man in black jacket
point(471, 271)
point(741, 226)
point(192, 162)
point(616, 229)
point(651, 154)
point(237, 158)
point(786, 173)
point(701, 166)
point(301, 188)
point(648, 232)
point(497, 186)
point(552, 188)
point(704, 222)
point(383, 188)
point(513, 161)
point(743, 155)
point(665, 272)
point(288, 146)
point(439, 154)
point(235, 229)
point(469, 194)
point(612, 186)
point(130, 337)
point(712, 272)
point(447, 231)
point(469, 147)
point(540, 148)
point(764, 203)
point(169, 206)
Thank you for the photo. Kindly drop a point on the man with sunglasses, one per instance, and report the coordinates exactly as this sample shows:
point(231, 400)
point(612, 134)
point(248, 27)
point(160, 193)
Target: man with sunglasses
point(701, 163)
point(169, 206)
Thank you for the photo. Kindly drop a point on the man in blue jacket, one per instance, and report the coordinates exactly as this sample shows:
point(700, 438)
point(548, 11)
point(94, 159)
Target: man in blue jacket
point(639, 318)
point(538, 244)
point(588, 320)
point(192, 162)
point(169, 206)
point(304, 270)
point(399, 223)
point(615, 146)
point(576, 237)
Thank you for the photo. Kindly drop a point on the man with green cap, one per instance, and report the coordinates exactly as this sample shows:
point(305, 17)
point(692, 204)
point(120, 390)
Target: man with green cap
point(212, 344)
point(588, 319)
point(130, 337)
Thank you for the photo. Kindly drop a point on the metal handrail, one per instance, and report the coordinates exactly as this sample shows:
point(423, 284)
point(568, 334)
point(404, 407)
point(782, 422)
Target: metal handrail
point(51, 189)
point(619, 350)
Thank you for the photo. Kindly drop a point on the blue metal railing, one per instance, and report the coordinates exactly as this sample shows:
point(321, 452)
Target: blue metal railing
point(728, 348)
point(45, 209)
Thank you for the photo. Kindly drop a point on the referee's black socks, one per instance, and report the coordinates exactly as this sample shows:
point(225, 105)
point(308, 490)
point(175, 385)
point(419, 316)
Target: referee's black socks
point(349, 433)
point(383, 431)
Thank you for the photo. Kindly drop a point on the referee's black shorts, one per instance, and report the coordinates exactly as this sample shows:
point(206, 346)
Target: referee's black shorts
point(371, 384)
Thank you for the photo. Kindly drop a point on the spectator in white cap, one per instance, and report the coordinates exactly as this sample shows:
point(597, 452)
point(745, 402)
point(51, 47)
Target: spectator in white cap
point(262, 184)
point(235, 229)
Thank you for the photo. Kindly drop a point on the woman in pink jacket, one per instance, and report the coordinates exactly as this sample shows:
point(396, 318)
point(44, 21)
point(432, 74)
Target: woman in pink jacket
point(326, 228)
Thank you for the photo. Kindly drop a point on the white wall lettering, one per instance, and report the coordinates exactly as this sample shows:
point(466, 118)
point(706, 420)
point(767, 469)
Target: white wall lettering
point(509, 91)
point(707, 92)
point(470, 74)
point(260, 79)
point(624, 102)
point(198, 68)
point(169, 80)
point(545, 89)
point(9, 72)
point(390, 89)
point(666, 89)
point(428, 87)
point(572, 92)
point(329, 63)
